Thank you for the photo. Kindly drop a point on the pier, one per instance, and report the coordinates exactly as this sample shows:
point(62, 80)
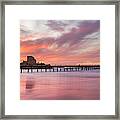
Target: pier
point(65, 68)
point(32, 66)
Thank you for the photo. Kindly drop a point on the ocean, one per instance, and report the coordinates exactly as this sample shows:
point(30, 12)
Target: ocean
point(82, 85)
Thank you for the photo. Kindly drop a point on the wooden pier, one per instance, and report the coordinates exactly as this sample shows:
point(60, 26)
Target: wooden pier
point(66, 68)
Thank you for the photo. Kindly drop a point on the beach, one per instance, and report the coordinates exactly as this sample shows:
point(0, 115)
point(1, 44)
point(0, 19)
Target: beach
point(82, 85)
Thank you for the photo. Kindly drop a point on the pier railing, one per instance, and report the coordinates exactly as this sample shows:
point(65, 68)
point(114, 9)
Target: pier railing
point(58, 68)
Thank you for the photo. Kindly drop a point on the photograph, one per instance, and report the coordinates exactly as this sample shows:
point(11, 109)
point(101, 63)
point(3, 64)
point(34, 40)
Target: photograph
point(59, 59)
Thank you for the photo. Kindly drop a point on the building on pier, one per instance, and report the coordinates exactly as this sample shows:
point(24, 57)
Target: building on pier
point(31, 61)
point(24, 63)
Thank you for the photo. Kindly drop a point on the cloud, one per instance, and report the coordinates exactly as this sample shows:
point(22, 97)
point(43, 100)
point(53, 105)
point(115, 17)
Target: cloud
point(56, 25)
point(79, 44)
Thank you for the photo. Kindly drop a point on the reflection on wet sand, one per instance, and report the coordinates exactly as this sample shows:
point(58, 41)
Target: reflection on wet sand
point(60, 86)
point(29, 84)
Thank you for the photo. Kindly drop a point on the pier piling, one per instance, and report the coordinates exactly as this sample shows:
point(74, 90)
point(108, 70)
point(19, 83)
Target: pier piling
point(57, 68)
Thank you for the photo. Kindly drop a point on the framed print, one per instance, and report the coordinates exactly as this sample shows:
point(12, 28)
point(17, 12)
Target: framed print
point(59, 59)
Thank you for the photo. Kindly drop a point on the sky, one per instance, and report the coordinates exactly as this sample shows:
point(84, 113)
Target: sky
point(61, 42)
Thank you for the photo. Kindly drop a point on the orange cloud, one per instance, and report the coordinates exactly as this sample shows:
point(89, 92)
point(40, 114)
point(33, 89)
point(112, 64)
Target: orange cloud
point(69, 48)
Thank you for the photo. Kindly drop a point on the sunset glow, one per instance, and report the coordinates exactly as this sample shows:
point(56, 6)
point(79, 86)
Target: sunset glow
point(61, 41)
